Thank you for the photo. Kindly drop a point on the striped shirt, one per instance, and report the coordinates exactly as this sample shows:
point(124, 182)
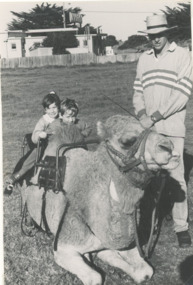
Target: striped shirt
point(162, 88)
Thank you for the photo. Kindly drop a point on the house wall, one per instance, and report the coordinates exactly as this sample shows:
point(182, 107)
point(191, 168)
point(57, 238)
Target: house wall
point(85, 42)
point(3, 45)
point(41, 51)
point(109, 50)
point(77, 50)
point(30, 41)
point(85, 46)
point(14, 47)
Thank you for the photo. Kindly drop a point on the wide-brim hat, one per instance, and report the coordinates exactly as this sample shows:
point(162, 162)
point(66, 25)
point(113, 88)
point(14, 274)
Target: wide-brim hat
point(157, 24)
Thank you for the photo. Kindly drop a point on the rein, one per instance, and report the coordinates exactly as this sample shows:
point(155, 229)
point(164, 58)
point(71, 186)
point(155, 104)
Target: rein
point(154, 223)
point(129, 163)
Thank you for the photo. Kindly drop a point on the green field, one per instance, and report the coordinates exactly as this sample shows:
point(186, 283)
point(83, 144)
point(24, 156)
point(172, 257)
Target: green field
point(28, 260)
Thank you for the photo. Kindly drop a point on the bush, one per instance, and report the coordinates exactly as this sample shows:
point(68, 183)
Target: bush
point(60, 41)
point(134, 41)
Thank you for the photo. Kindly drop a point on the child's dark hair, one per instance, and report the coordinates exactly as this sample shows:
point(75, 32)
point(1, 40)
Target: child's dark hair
point(51, 98)
point(69, 104)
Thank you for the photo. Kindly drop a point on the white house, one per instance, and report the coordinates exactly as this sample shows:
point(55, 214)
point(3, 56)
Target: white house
point(33, 43)
point(14, 47)
point(16, 43)
point(41, 51)
point(89, 43)
point(85, 44)
point(28, 44)
point(109, 50)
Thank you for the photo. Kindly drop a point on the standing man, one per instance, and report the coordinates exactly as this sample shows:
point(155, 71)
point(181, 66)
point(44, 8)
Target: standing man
point(162, 88)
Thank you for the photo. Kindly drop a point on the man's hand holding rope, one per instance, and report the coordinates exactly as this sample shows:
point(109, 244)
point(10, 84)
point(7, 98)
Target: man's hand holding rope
point(146, 121)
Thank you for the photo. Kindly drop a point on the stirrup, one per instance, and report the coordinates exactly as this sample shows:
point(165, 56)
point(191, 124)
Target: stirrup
point(10, 184)
point(8, 189)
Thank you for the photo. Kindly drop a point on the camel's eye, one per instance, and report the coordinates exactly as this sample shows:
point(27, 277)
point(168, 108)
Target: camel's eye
point(127, 142)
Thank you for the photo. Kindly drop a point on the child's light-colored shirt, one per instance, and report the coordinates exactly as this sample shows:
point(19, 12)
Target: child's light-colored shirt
point(41, 126)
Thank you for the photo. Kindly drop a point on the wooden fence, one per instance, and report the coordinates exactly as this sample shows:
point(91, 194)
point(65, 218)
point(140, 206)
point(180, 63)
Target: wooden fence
point(66, 60)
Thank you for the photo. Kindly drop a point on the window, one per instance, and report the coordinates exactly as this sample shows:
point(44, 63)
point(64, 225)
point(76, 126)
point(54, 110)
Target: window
point(13, 46)
point(85, 42)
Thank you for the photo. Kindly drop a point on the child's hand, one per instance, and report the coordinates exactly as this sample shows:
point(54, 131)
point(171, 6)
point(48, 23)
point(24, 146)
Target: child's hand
point(42, 135)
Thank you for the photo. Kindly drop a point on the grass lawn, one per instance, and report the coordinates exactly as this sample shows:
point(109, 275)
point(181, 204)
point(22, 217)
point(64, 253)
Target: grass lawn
point(28, 260)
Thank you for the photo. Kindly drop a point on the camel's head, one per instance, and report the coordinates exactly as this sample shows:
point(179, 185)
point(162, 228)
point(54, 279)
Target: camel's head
point(126, 135)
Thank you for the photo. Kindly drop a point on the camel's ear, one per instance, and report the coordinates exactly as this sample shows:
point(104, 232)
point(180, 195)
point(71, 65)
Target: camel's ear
point(101, 130)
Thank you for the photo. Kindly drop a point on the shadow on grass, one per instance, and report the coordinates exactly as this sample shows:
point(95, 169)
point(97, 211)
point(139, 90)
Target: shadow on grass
point(186, 270)
point(171, 193)
point(188, 164)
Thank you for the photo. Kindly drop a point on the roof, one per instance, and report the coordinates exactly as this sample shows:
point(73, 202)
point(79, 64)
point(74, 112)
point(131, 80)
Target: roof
point(50, 30)
point(92, 35)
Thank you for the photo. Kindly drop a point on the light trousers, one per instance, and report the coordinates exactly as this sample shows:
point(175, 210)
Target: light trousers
point(180, 209)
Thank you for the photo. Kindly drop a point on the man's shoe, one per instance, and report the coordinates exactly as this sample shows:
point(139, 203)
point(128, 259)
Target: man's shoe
point(184, 239)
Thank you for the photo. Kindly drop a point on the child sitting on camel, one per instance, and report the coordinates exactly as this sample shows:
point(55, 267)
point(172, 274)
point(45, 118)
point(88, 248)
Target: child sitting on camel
point(51, 105)
point(69, 129)
point(66, 129)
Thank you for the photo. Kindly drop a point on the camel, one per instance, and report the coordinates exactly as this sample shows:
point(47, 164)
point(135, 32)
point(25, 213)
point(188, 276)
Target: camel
point(94, 213)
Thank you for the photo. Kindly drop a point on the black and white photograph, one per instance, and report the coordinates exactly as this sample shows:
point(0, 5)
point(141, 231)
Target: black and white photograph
point(96, 142)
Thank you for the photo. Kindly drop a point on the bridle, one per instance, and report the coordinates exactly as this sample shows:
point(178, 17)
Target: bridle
point(130, 161)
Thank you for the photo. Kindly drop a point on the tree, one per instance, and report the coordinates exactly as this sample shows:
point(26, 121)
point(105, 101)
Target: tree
point(110, 41)
point(180, 16)
point(42, 16)
point(46, 16)
point(87, 29)
point(60, 41)
point(134, 41)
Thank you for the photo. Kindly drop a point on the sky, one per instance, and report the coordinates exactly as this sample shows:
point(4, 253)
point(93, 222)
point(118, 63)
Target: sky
point(119, 18)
